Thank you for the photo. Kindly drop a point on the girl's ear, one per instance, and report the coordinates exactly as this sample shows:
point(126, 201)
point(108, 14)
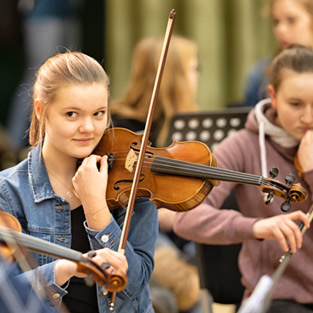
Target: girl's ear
point(38, 108)
point(273, 96)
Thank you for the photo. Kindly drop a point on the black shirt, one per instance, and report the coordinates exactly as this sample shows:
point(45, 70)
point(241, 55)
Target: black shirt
point(80, 297)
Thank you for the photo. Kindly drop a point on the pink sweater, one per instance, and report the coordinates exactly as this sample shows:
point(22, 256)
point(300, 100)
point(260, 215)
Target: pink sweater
point(207, 224)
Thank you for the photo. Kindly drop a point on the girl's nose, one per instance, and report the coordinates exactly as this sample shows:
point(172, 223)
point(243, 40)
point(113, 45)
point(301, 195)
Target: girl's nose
point(280, 29)
point(307, 115)
point(86, 125)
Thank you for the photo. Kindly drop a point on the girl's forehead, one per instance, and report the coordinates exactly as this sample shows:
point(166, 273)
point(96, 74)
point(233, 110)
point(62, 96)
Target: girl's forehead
point(294, 7)
point(286, 73)
point(77, 90)
point(299, 85)
point(288, 2)
point(81, 94)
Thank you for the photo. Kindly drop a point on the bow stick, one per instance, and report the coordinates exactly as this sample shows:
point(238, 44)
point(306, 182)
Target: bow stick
point(260, 299)
point(157, 83)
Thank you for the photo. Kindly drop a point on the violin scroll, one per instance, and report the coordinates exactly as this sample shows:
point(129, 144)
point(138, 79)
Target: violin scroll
point(104, 276)
point(288, 191)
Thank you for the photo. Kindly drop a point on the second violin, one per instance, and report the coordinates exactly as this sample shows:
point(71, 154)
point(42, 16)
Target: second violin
point(11, 237)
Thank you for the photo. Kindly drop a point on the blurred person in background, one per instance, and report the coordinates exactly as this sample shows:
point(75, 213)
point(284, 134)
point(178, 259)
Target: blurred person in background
point(177, 91)
point(277, 131)
point(49, 27)
point(292, 24)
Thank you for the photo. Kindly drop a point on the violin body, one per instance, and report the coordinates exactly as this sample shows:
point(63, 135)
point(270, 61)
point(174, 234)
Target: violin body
point(174, 192)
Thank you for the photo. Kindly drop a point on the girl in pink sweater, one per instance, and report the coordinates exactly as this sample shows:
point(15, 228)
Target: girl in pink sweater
point(286, 120)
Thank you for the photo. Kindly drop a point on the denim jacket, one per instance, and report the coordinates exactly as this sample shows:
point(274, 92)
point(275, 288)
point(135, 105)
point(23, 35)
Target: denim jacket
point(26, 193)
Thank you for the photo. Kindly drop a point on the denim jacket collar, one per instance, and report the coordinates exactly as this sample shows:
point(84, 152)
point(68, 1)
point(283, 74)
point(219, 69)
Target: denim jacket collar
point(38, 176)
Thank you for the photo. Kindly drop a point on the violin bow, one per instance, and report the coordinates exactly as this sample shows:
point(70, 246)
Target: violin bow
point(133, 192)
point(260, 299)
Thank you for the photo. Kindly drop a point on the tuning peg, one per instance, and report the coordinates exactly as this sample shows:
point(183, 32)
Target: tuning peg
point(88, 280)
point(274, 172)
point(285, 207)
point(289, 179)
point(269, 197)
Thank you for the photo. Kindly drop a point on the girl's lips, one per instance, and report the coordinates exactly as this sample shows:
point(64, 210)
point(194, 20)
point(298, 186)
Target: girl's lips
point(305, 129)
point(88, 140)
point(285, 44)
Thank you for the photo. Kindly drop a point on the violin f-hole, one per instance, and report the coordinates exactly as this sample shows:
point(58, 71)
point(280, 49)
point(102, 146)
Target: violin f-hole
point(134, 146)
point(126, 181)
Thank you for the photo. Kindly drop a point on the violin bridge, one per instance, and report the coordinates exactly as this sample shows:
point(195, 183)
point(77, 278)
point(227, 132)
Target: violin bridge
point(130, 160)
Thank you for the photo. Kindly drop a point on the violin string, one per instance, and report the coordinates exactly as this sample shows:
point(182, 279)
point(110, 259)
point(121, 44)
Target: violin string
point(243, 177)
point(221, 174)
point(38, 245)
point(9, 237)
point(236, 176)
point(204, 169)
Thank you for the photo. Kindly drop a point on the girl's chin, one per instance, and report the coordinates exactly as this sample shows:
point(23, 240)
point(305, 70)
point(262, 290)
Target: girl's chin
point(81, 154)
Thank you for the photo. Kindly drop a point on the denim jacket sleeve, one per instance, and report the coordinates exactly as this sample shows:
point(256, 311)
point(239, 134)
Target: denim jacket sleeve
point(140, 244)
point(42, 280)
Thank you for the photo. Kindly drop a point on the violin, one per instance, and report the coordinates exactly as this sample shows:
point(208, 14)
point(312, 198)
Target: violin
point(104, 275)
point(178, 177)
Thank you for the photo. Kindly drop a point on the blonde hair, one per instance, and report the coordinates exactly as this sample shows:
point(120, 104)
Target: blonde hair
point(175, 94)
point(61, 70)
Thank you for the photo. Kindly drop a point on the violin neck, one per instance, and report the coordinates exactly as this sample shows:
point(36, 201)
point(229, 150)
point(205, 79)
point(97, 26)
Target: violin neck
point(13, 238)
point(182, 168)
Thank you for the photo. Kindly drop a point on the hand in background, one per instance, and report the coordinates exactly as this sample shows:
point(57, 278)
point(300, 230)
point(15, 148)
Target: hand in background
point(305, 151)
point(282, 228)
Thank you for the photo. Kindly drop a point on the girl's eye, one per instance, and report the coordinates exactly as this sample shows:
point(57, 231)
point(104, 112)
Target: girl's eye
point(291, 20)
point(275, 22)
point(99, 113)
point(294, 104)
point(71, 114)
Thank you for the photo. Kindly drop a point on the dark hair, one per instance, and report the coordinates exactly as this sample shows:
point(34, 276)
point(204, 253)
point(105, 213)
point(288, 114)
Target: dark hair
point(297, 58)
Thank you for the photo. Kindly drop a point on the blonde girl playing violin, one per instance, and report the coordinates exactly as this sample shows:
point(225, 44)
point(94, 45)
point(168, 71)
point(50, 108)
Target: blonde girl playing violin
point(264, 231)
point(70, 114)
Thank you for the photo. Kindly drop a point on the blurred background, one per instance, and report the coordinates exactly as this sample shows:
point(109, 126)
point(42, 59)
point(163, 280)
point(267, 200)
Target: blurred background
point(232, 35)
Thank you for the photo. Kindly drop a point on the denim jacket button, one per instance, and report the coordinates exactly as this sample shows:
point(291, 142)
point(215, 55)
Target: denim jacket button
point(56, 296)
point(105, 238)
